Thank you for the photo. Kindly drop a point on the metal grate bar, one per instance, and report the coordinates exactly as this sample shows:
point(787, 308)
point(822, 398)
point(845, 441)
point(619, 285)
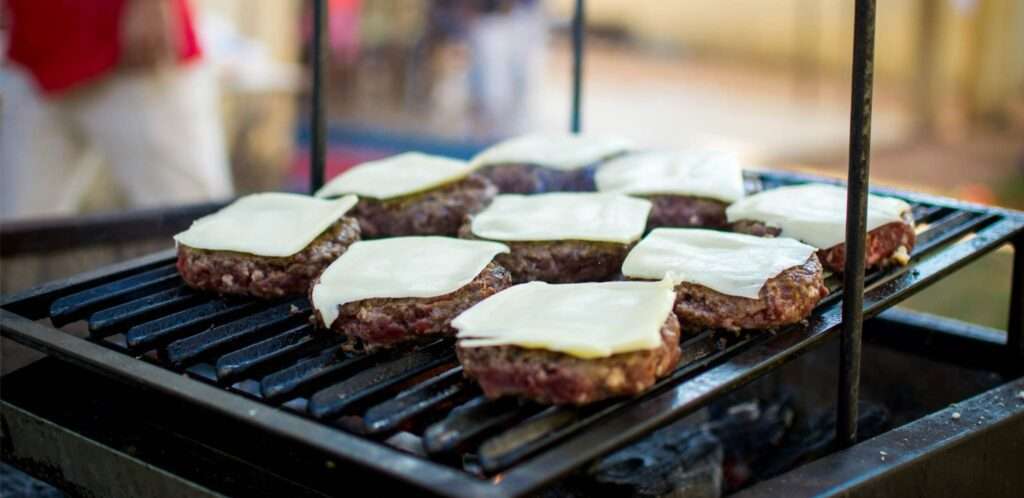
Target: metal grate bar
point(527, 437)
point(302, 377)
point(263, 356)
point(151, 334)
point(76, 306)
point(469, 421)
point(119, 318)
point(924, 213)
point(428, 396)
point(377, 380)
point(252, 327)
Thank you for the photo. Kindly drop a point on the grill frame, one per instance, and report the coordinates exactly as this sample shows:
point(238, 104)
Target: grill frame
point(610, 429)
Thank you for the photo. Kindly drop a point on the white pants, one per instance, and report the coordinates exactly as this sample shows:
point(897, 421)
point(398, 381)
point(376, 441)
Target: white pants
point(160, 133)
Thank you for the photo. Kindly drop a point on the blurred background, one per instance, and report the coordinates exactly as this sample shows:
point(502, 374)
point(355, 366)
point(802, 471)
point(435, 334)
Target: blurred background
point(769, 79)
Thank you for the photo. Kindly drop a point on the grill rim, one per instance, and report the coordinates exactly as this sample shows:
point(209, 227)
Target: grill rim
point(528, 474)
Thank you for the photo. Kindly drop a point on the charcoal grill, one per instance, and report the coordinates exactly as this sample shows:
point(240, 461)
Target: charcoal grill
point(409, 417)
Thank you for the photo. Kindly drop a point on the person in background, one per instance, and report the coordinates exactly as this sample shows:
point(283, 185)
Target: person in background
point(120, 82)
point(507, 42)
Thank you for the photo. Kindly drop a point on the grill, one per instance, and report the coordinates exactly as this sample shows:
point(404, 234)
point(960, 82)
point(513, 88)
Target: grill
point(409, 416)
point(142, 320)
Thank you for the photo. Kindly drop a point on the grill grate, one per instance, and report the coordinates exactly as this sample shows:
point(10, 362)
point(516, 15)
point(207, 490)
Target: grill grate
point(268, 353)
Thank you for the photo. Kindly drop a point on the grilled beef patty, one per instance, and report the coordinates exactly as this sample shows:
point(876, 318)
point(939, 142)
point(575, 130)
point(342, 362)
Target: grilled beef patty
point(685, 211)
point(385, 322)
point(228, 272)
point(533, 179)
point(560, 379)
point(882, 246)
point(786, 298)
point(559, 261)
point(435, 212)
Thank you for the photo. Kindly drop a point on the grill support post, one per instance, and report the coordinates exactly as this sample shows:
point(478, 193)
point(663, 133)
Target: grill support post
point(856, 218)
point(577, 65)
point(318, 126)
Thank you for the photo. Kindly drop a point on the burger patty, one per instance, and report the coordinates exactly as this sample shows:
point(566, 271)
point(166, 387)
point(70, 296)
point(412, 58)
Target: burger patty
point(533, 179)
point(685, 211)
point(786, 298)
point(385, 322)
point(559, 261)
point(435, 212)
point(561, 379)
point(229, 272)
point(885, 245)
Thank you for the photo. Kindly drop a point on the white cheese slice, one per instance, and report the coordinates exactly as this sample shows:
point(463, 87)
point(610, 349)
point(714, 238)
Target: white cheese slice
point(395, 176)
point(598, 217)
point(592, 320)
point(730, 263)
point(268, 224)
point(813, 213)
point(697, 173)
point(400, 267)
point(556, 151)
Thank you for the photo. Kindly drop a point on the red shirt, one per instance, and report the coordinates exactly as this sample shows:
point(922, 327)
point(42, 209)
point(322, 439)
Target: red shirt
point(64, 43)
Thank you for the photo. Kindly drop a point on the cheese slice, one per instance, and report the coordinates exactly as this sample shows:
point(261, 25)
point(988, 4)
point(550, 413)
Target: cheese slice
point(395, 176)
point(813, 213)
point(730, 263)
point(400, 267)
point(598, 217)
point(556, 151)
point(592, 320)
point(697, 173)
point(268, 224)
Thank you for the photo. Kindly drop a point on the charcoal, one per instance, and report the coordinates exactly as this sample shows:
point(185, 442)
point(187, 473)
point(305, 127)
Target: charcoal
point(747, 431)
point(677, 461)
point(815, 438)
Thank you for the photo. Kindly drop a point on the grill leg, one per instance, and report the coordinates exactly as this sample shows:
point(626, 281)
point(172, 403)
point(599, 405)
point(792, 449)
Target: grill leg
point(856, 207)
point(1015, 329)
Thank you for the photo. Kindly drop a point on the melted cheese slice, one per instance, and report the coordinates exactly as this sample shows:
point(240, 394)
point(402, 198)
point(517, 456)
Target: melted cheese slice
point(696, 173)
point(400, 267)
point(563, 216)
point(395, 176)
point(592, 320)
point(813, 213)
point(730, 263)
point(269, 224)
point(558, 151)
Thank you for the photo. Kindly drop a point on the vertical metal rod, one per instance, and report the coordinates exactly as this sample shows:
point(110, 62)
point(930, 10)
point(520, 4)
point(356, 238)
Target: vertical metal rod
point(318, 120)
point(577, 65)
point(856, 215)
point(1015, 328)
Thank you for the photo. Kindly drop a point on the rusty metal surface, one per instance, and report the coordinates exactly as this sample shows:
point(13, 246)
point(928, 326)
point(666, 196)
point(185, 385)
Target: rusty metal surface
point(80, 466)
point(973, 448)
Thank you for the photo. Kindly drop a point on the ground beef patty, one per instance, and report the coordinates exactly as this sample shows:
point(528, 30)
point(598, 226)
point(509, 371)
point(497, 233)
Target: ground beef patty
point(685, 211)
point(227, 272)
point(559, 261)
point(533, 179)
point(560, 379)
point(435, 212)
point(786, 298)
point(885, 245)
point(385, 322)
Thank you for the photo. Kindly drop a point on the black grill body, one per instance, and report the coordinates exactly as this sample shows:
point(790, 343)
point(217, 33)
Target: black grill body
point(409, 415)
